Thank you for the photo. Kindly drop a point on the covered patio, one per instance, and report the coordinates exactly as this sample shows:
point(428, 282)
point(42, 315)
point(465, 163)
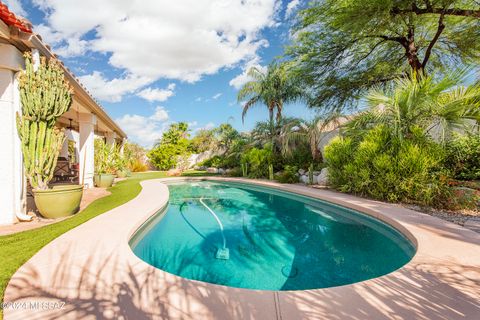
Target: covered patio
point(85, 121)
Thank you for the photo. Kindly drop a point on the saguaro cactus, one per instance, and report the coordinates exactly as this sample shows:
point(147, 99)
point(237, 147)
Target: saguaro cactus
point(45, 95)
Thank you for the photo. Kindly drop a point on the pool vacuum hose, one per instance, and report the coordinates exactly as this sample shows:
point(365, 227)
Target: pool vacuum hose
point(223, 253)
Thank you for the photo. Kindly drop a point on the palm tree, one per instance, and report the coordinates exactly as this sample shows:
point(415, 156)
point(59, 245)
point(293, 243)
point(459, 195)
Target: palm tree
point(272, 88)
point(435, 106)
point(310, 132)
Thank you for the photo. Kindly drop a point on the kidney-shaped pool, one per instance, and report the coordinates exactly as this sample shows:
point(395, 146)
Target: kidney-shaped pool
point(245, 236)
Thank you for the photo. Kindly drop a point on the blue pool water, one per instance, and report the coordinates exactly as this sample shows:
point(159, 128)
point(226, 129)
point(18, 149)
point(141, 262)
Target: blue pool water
point(266, 239)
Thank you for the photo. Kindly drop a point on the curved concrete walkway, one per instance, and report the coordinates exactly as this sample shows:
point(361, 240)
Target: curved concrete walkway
point(90, 272)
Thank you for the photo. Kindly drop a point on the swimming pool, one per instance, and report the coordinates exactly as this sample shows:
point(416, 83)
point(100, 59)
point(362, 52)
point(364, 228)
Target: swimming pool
point(246, 236)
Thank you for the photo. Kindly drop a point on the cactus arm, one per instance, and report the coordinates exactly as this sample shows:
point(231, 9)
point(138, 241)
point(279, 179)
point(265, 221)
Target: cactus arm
point(45, 95)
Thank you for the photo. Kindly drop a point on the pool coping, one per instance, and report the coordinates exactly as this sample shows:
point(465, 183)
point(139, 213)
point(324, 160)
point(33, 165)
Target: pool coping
point(93, 270)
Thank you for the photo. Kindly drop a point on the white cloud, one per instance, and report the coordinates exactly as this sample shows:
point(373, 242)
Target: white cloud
point(160, 114)
point(112, 90)
point(291, 6)
point(195, 128)
point(16, 7)
point(216, 96)
point(145, 130)
point(208, 126)
point(157, 94)
point(243, 77)
point(156, 39)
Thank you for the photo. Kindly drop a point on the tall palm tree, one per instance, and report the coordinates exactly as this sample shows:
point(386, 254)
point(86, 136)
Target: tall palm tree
point(436, 106)
point(273, 88)
point(310, 132)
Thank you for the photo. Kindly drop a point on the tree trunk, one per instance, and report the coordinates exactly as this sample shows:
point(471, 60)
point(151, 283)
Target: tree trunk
point(411, 52)
point(272, 124)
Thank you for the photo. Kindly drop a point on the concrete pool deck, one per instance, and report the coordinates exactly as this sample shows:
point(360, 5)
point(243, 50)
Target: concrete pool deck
point(90, 272)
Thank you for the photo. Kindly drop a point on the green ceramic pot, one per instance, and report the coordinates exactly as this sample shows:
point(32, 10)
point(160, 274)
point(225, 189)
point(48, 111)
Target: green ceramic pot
point(103, 180)
point(60, 201)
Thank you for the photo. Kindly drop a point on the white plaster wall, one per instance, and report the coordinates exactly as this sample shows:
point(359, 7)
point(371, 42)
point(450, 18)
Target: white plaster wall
point(12, 186)
point(86, 158)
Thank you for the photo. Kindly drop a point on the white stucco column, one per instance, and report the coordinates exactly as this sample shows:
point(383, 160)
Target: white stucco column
point(122, 146)
point(12, 186)
point(110, 137)
point(87, 122)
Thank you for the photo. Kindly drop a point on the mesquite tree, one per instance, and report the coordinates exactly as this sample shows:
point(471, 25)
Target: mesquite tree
point(342, 48)
point(45, 95)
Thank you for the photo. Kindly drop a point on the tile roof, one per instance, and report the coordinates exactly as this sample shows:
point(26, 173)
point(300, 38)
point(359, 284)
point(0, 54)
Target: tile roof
point(11, 19)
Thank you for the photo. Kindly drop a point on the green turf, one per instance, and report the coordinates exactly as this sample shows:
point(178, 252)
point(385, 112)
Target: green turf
point(17, 248)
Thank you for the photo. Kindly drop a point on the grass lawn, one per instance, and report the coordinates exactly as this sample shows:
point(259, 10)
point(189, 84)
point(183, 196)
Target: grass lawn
point(17, 248)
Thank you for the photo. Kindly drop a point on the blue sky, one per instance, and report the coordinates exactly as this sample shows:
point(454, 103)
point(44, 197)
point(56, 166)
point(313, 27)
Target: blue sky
point(154, 62)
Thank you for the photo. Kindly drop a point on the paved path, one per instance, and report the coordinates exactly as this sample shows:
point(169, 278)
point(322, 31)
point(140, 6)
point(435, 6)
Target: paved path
point(94, 272)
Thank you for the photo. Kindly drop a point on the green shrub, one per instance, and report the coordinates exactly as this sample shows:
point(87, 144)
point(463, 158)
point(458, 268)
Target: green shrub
point(226, 162)
point(214, 161)
point(382, 167)
point(257, 161)
point(166, 156)
point(288, 175)
point(172, 149)
point(463, 157)
point(235, 172)
point(301, 157)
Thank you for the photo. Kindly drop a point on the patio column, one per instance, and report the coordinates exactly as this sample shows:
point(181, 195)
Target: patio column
point(87, 122)
point(122, 146)
point(12, 182)
point(110, 137)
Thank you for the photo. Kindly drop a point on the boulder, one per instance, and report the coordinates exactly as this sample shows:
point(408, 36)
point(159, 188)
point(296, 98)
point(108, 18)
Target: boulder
point(316, 173)
point(212, 170)
point(322, 178)
point(304, 179)
point(315, 178)
point(174, 173)
point(301, 172)
point(221, 171)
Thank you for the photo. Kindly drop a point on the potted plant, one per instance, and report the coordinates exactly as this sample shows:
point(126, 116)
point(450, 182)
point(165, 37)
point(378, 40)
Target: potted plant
point(45, 95)
point(121, 163)
point(105, 164)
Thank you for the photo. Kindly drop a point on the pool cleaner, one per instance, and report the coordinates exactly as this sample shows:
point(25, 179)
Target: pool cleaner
point(223, 253)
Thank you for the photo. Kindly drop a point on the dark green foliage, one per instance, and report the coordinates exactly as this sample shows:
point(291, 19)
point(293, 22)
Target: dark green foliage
point(258, 161)
point(235, 172)
point(381, 166)
point(287, 175)
point(463, 157)
point(215, 161)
